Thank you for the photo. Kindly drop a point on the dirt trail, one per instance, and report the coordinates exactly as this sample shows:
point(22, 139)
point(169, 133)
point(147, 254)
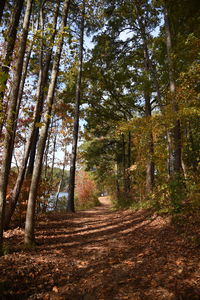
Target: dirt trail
point(100, 254)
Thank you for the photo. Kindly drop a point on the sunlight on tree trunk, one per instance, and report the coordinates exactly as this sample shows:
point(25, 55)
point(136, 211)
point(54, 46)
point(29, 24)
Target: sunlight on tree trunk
point(12, 117)
point(29, 238)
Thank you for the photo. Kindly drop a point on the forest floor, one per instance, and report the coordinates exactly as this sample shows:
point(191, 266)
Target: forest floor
point(101, 254)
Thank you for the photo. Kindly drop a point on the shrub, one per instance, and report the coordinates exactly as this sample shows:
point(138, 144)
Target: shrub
point(86, 191)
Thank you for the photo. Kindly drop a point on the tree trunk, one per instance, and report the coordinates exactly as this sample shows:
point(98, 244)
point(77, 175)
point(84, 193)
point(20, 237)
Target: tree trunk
point(3, 2)
point(175, 146)
point(150, 167)
point(15, 194)
point(16, 191)
point(47, 150)
point(10, 43)
point(29, 238)
point(12, 117)
point(118, 192)
point(124, 164)
point(129, 162)
point(20, 178)
point(54, 152)
point(20, 95)
point(11, 35)
point(40, 95)
point(71, 188)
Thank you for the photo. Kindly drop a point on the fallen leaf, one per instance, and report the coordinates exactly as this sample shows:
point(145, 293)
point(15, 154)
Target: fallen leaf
point(55, 289)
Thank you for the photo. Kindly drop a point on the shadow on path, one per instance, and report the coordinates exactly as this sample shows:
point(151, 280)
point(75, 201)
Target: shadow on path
point(101, 254)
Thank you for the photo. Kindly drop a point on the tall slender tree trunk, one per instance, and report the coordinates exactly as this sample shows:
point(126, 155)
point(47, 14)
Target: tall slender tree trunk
point(118, 191)
point(15, 193)
point(175, 147)
point(71, 188)
point(3, 2)
point(29, 238)
point(150, 166)
point(20, 178)
point(129, 162)
point(54, 151)
point(47, 150)
point(124, 164)
point(11, 35)
point(41, 93)
point(11, 118)
point(10, 43)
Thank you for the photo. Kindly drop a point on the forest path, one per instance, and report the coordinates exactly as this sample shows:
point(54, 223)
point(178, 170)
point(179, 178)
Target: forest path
point(100, 254)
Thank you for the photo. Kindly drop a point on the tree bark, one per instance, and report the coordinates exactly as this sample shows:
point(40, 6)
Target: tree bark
point(20, 178)
point(29, 238)
point(124, 164)
point(54, 151)
point(11, 35)
point(150, 166)
point(129, 162)
point(71, 188)
point(11, 118)
point(3, 2)
point(10, 43)
point(15, 194)
point(175, 146)
point(118, 191)
point(40, 95)
point(47, 150)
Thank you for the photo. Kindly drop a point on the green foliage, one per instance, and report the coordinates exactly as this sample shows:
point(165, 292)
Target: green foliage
point(146, 204)
point(121, 200)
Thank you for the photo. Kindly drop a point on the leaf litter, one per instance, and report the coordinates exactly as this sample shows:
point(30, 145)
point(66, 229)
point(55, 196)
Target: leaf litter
point(100, 254)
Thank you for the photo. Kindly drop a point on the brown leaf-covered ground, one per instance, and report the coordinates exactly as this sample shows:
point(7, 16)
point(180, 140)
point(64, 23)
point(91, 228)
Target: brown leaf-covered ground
point(101, 254)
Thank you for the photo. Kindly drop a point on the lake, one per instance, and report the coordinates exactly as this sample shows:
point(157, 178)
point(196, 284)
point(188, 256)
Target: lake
point(63, 194)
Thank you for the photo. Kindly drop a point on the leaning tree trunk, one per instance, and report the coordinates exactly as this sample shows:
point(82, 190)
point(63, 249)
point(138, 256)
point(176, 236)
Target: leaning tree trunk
point(15, 193)
point(20, 178)
point(12, 117)
point(29, 238)
point(40, 95)
point(10, 43)
point(54, 152)
point(71, 188)
point(47, 150)
point(11, 38)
